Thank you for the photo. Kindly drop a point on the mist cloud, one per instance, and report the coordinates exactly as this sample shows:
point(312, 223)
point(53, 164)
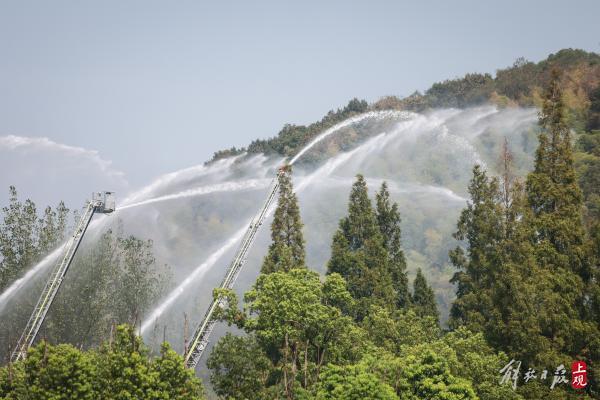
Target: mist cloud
point(47, 171)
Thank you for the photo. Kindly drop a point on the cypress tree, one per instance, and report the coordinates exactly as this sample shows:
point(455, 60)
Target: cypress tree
point(552, 190)
point(560, 247)
point(423, 298)
point(287, 247)
point(480, 225)
point(388, 219)
point(361, 224)
point(522, 278)
point(359, 255)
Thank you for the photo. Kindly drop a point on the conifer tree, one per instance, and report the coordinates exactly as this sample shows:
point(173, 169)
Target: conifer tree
point(552, 190)
point(388, 219)
point(287, 247)
point(359, 255)
point(522, 279)
point(356, 229)
point(480, 225)
point(423, 298)
point(559, 238)
point(361, 224)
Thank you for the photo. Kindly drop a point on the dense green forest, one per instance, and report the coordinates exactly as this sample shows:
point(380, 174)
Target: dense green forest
point(120, 369)
point(527, 263)
point(527, 295)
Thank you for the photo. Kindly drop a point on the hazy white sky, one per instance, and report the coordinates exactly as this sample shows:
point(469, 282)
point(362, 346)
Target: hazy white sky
point(154, 86)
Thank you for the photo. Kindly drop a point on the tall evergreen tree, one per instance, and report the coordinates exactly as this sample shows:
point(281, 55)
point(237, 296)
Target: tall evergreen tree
point(559, 239)
point(423, 298)
point(388, 219)
point(552, 190)
point(358, 253)
point(287, 247)
point(361, 223)
point(522, 279)
point(480, 225)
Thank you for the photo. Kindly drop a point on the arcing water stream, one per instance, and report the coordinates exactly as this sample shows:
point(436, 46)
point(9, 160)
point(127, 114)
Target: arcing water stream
point(407, 129)
point(426, 159)
point(140, 198)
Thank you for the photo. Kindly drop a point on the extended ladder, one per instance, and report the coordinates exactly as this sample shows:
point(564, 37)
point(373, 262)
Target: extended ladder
point(101, 202)
point(202, 333)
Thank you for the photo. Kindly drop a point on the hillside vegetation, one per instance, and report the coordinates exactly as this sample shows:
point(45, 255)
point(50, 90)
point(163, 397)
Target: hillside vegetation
point(526, 272)
point(519, 85)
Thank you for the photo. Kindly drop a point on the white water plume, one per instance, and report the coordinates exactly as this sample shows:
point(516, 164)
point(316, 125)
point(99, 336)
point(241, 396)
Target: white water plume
point(49, 260)
point(425, 159)
point(201, 269)
point(22, 281)
point(157, 185)
point(223, 187)
point(181, 175)
point(399, 187)
point(348, 122)
point(198, 273)
point(408, 131)
point(329, 167)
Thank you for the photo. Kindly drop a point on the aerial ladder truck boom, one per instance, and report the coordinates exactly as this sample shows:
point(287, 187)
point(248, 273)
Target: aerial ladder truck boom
point(101, 203)
point(199, 340)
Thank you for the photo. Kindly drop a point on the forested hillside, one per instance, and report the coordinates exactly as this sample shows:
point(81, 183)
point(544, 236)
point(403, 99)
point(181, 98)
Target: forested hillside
point(527, 295)
point(525, 272)
point(519, 85)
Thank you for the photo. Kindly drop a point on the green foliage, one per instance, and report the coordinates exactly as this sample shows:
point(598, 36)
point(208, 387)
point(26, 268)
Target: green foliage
point(393, 331)
point(174, 381)
point(25, 237)
point(423, 298)
point(113, 280)
point(286, 251)
point(519, 84)
point(292, 138)
point(59, 372)
point(594, 111)
point(526, 279)
point(353, 382)
point(119, 278)
point(221, 154)
point(240, 369)
point(587, 164)
point(360, 225)
point(427, 376)
point(121, 369)
point(518, 81)
point(473, 89)
point(294, 319)
point(291, 308)
point(359, 252)
point(420, 372)
point(552, 189)
point(481, 226)
point(474, 359)
point(388, 220)
point(124, 369)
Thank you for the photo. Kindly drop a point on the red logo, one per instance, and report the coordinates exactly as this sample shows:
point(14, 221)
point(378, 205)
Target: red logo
point(578, 375)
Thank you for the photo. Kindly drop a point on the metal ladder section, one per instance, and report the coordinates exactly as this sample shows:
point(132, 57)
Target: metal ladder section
point(202, 333)
point(54, 282)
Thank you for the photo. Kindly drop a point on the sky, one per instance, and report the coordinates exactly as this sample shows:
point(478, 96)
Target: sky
point(113, 93)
